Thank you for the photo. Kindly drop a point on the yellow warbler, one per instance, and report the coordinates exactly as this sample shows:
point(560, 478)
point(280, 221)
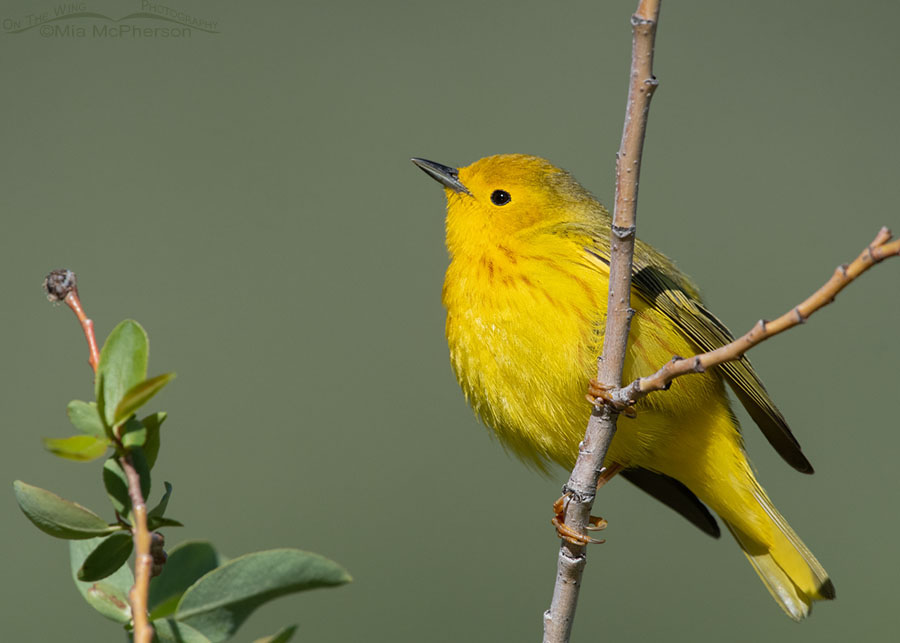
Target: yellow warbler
point(525, 294)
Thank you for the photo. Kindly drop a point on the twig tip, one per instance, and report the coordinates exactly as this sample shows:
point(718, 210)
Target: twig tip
point(58, 284)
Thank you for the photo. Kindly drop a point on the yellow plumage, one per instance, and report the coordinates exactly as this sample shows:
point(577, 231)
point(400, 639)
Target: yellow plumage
point(525, 294)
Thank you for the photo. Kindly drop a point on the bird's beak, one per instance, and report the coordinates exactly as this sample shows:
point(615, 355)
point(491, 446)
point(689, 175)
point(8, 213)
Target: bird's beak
point(447, 176)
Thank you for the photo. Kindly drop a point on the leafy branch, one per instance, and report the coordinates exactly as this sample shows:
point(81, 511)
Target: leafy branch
point(194, 595)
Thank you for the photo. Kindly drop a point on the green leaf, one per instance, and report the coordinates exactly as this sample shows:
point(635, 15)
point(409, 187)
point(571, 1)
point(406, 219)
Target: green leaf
point(160, 509)
point(123, 363)
point(139, 460)
point(221, 601)
point(151, 446)
point(116, 482)
point(85, 417)
point(134, 434)
point(82, 448)
point(109, 596)
point(284, 635)
point(109, 600)
point(140, 394)
point(110, 553)
point(59, 517)
point(156, 523)
point(156, 519)
point(187, 562)
point(169, 630)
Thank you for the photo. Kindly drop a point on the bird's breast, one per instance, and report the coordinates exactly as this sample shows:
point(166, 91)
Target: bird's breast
point(523, 329)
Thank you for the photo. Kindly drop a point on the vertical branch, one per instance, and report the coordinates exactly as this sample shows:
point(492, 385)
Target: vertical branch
point(61, 285)
point(601, 428)
point(143, 559)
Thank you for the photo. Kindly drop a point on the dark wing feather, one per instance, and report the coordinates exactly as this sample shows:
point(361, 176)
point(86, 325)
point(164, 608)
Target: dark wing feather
point(660, 283)
point(674, 494)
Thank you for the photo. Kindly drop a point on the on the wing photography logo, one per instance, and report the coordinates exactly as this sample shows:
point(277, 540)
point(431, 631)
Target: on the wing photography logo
point(74, 20)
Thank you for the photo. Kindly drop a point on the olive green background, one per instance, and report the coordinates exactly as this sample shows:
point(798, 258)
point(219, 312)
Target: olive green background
point(247, 196)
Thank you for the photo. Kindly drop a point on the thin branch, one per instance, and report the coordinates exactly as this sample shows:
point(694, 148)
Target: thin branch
point(582, 484)
point(61, 285)
point(880, 249)
point(87, 325)
point(143, 559)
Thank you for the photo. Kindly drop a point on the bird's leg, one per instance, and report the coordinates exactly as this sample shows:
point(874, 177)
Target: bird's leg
point(598, 394)
point(595, 523)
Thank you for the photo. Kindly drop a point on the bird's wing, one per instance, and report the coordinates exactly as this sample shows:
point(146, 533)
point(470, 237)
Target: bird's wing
point(674, 494)
point(660, 283)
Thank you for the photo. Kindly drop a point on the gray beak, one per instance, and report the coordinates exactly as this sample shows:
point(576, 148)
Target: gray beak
point(446, 176)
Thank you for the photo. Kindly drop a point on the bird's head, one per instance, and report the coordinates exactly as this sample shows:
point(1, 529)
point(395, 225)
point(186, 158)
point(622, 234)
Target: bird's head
point(508, 199)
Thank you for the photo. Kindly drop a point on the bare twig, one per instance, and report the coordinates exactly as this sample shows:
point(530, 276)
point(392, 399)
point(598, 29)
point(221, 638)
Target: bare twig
point(87, 325)
point(881, 248)
point(61, 285)
point(582, 484)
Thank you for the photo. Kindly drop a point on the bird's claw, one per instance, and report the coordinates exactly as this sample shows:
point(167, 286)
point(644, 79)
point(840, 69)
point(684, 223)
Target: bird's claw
point(570, 535)
point(598, 395)
point(596, 523)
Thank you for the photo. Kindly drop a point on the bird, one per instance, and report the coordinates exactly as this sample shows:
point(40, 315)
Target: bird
point(525, 294)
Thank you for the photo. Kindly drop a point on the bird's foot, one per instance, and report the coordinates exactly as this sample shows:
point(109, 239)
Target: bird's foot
point(595, 523)
point(598, 395)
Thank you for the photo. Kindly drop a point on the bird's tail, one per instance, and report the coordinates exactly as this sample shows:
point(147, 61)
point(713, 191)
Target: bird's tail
point(789, 570)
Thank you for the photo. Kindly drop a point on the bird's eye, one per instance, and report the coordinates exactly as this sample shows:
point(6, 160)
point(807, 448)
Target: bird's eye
point(500, 197)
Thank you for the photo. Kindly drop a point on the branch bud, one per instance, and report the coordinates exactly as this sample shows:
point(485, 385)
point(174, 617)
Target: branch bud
point(58, 284)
